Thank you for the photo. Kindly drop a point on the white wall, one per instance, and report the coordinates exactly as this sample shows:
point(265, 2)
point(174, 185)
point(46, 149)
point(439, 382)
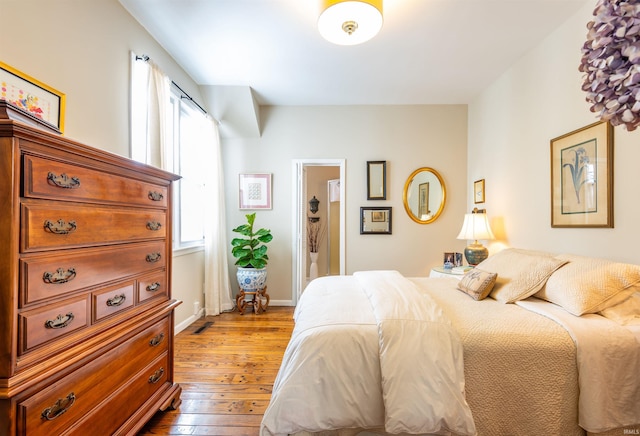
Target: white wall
point(510, 127)
point(81, 48)
point(407, 137)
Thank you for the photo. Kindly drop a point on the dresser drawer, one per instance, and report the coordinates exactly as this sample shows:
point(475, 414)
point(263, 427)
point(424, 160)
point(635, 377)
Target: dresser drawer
point(113, 413)
point(72, 398)
point(112, 300)
point(51, 225)
point(152, 286)
point(50, 179)
point(39, 326)
point(50, 276)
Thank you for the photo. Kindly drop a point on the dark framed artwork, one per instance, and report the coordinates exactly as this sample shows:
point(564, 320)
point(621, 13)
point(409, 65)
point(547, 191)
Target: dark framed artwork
point(377, 180)
point(582, 177)
point(375, 220)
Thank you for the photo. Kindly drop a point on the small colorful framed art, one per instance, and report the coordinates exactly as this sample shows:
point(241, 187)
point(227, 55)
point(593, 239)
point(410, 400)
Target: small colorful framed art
point(255, 191)
point(32, 96)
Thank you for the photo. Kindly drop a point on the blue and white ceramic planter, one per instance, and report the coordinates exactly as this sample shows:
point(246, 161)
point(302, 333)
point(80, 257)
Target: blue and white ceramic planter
point(252, 279)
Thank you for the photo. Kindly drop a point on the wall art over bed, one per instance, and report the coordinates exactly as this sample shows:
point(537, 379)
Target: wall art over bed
point(582, 177)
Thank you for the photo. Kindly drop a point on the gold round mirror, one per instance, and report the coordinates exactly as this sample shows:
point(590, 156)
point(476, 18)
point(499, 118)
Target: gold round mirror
point(424, 195)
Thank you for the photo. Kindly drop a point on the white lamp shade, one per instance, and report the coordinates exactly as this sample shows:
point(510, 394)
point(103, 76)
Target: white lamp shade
point(363, 18)
point(475, 226)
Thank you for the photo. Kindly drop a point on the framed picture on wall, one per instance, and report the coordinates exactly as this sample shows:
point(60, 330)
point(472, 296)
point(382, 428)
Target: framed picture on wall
point(375, 220)
point(255, 191)
point(582, 177)
point(478, 191)
point(32, 97)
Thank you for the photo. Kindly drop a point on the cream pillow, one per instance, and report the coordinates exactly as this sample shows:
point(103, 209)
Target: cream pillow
point(520, 274)
point(477, 283)
point(625, 313)
point(590, 285)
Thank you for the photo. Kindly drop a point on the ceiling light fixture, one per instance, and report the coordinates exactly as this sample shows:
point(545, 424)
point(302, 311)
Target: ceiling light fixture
point(350, 22)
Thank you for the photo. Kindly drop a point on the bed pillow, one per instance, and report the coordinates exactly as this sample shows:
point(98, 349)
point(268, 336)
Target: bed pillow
point(477, 283)
point(590, 285)
point(520, 273)
point(625, 313)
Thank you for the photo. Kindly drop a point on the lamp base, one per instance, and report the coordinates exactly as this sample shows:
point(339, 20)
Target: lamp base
point(475, 253)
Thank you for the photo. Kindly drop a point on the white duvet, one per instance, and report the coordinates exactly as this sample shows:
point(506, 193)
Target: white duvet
point(396, 364)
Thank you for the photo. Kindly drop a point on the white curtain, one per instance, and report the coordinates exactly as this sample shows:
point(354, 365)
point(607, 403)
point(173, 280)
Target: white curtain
point(217, 291)
point(150, 126)
point(150, 113)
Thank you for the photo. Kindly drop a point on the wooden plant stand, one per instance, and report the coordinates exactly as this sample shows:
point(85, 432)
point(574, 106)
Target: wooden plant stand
point(257, 301)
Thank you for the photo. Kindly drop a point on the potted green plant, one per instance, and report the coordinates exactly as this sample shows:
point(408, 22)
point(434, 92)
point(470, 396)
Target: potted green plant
point(250, 250)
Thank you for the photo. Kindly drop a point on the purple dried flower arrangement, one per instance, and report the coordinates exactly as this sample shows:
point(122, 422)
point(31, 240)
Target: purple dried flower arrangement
point(611, 62)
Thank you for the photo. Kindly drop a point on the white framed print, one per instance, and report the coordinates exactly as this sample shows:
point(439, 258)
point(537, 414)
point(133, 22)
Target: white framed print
point(255, 191)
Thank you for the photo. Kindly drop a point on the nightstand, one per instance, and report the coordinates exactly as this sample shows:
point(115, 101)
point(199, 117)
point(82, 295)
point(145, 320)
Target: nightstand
point(440, 271)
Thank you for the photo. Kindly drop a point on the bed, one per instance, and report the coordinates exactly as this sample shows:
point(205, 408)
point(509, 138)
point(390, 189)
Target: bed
point(379, 353)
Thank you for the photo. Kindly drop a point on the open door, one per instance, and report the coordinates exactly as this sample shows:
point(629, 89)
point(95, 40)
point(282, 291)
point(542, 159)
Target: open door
point(300, 207)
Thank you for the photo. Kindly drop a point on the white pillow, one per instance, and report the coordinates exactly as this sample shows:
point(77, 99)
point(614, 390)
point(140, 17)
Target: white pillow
point(625, 313)
point(590, 285)
point(520, 273)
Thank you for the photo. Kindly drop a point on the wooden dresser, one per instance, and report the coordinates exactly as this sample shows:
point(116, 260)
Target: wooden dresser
point(86, 314)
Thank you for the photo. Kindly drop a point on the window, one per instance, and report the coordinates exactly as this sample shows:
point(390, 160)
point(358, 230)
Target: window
point(183, 159)
point(153, 99)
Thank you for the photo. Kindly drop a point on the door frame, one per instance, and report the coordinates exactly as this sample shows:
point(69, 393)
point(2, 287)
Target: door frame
point(299, 210)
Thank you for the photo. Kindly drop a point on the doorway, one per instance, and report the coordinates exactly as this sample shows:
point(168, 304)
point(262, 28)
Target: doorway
point(303, 171)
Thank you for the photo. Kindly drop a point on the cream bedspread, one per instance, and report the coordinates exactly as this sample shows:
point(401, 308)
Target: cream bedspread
point(608, 367)
point(520, 368)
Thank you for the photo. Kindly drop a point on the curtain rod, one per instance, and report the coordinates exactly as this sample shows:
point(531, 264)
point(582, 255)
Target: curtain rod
point(184, 94)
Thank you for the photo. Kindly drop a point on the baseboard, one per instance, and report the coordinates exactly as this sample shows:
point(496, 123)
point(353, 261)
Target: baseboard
point(281, 303)
point(187, 322)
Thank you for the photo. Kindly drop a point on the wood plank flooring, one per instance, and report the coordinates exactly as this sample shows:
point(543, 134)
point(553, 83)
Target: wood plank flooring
point(226, 372)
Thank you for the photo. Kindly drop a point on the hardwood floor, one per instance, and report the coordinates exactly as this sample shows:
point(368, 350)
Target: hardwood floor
point(226, 372)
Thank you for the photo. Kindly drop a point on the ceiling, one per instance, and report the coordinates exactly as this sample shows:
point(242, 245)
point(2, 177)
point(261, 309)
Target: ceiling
point(428, 51)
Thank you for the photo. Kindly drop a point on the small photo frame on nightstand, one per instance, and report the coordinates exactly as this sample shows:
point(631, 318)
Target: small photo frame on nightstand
point(449, 260)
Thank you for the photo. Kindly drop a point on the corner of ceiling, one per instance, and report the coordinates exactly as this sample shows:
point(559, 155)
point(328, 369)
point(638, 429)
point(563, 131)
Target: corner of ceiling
point(235, 108)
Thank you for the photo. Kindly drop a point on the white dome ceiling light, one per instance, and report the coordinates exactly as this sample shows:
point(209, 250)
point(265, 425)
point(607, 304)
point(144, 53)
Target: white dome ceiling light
point(350, 22)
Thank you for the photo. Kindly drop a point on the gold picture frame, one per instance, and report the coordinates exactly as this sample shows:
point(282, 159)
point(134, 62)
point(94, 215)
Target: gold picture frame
point(582, 177)
point(32, 97)
point(478, 191)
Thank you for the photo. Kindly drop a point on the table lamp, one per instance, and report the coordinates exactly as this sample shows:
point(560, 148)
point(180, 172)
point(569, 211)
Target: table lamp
point(475, 226)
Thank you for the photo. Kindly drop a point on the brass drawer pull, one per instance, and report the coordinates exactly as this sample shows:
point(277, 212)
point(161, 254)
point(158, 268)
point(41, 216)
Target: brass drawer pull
point(157, 340)
point(153, 287)
point(59, 277)
point(156, 376)
point(63, 181)
point(154, 225)
point(155, 196)
point(118, 300)
point(153, 257)
point(60, 227)
point(60, 322)
point(61, 406)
